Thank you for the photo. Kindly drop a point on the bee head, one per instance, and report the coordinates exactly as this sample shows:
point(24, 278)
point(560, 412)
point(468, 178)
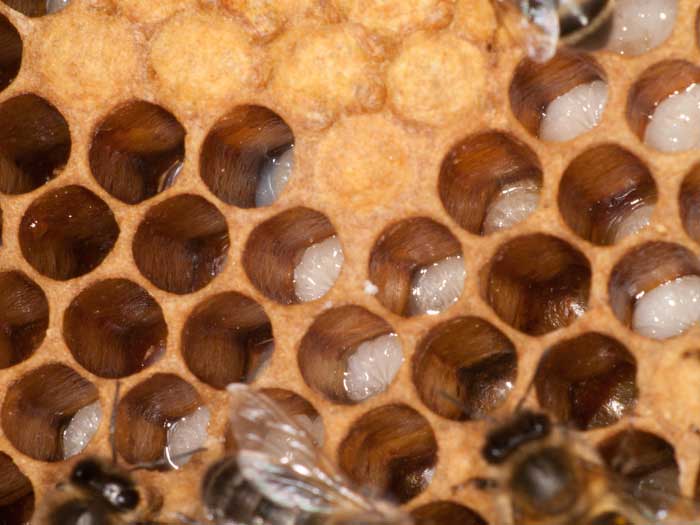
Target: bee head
point(524, 427)
point(116, 490)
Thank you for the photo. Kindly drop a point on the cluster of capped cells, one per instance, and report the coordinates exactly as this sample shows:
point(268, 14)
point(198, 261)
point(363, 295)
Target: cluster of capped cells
point(380, 212)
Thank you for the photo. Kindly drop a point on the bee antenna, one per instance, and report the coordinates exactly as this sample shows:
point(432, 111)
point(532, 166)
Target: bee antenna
point(113, 423)
point(167, 461)
point(460, 404)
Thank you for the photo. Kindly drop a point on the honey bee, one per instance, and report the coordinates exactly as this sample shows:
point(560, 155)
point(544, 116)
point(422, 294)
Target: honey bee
point(546, 24)
point(545, 476)
point(277, 476)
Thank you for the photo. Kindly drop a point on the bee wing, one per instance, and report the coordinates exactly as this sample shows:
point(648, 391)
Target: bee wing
point(279, 458)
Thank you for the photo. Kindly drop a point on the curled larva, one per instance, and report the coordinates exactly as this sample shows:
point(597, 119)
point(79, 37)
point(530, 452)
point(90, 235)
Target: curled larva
point(514, 203)
point(185, 435)
point(274, 176)
point(634, 222)
point(575, 112)
point(641, 25)
point(54, 6)
point(372, 367)
point(81, 429)
point(437, 286)
point(669, 309)
point(675, 124)
point(318, 269)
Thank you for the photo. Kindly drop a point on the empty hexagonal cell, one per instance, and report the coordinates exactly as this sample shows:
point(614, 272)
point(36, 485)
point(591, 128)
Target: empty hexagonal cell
point(294, 256)
point(588, 381)
point(560, 99)
point(446, 513)
point(247, 158)
point(537, 283)
point(489, 182)
point(606, 194)
point(40, 406)
point(227, 339)
point(67, 232)
point(181, 244)
point(24, 317)
point(349, 354)
point(689, 200)
point(663, 106)
point(115, 328)
point(655, 289)
point(647, 463)
point(417, 266)
point(16, 493)
point(300, 410)
point(138, 151)
point(391, 449)
point(10, 52)
point(148, 416)
point(35, 142)
point(36, 8)
point(466, 360)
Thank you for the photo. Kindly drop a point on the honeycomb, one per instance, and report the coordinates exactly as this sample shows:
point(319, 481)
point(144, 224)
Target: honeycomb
point(130, 132)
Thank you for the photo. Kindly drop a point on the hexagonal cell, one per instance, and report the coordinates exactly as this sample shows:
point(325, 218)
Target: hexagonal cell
point(349, 354)
point(446, 513)
point(647, 463)
point(489, 182)
point(227, 339)
point(391, 449)
point(115, 328)
point(67, 232)
point(689, 200)
point(468, 360)
point(662, 106)
point(16, 493)
point(247, 158)
point(294, 256)
point(299, 409)
point(36, 8)
point(138, 151)
point(606, 194)
point(537, 283)
point(40, 405)
point(24, 317)
point(147, 412)
point(559, 99)
point(35, 142)
point(181, 244)
point(588, 381)
point(655, 288)
point(10, 52)
point(418, 267)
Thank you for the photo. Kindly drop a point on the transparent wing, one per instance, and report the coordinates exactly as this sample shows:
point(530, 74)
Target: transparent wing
point(541, 26)
point(279, 458)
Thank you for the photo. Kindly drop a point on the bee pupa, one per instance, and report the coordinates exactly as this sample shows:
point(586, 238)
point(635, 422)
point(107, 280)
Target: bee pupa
point(373, 366)
point(437, 286)
point(81, 429)
point(318, 269)
point(669, 309)
point(575, 112)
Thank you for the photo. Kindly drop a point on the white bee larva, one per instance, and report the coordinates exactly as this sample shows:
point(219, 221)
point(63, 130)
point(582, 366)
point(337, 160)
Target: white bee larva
point(437, 286)
point(575, 112)
point(641, 25)
point(373, 366)
point(318, 269)
point(669, 309)
point(513, 204)
point(313, 426)
point(186, 435)
point(81, 429)
point(636, 221)
point(54, 6)
point(675, 124)
point(273, 177)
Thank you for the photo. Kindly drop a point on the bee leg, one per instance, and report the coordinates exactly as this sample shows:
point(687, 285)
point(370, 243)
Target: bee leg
point(479, 483)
